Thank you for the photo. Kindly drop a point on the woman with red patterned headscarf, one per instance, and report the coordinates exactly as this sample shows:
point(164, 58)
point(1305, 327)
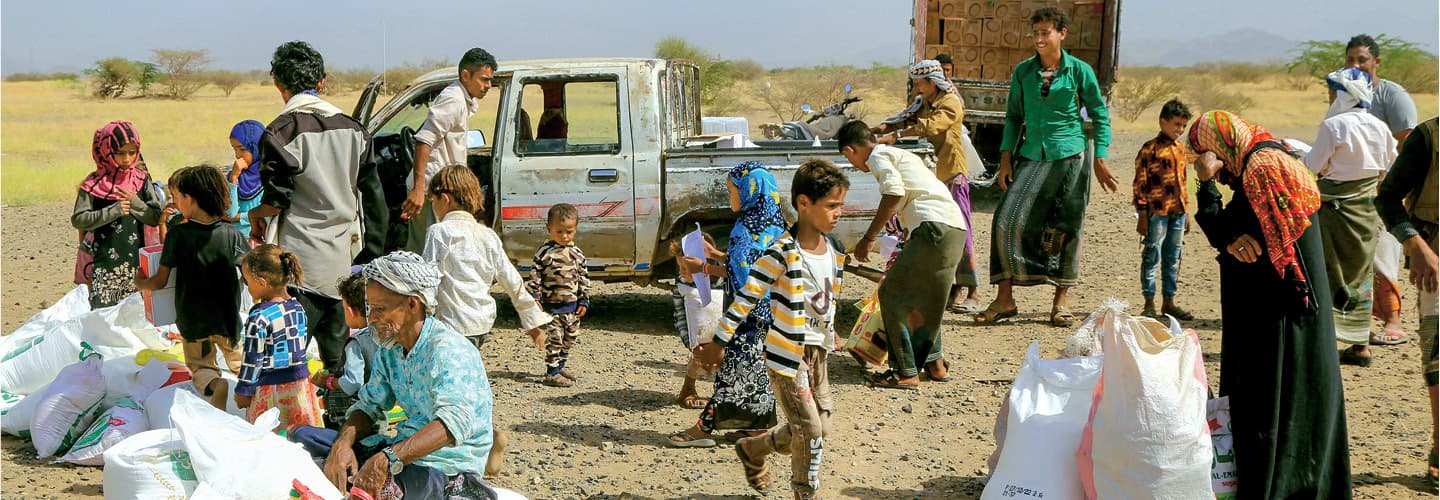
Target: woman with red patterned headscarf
point(115, 203)
point(1277, 360)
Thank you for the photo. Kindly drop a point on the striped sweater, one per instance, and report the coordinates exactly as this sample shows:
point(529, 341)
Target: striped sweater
point(779, 273)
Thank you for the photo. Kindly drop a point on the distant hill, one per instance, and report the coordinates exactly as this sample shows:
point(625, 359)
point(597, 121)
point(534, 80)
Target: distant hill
point(1242, 45)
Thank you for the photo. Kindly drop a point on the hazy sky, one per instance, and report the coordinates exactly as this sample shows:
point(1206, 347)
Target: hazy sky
point(48, 35)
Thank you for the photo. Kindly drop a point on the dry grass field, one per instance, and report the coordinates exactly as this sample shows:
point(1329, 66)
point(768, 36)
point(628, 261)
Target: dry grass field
point(44, 144)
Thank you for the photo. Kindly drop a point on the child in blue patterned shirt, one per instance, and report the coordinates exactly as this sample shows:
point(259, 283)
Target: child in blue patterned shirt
point(274, 373)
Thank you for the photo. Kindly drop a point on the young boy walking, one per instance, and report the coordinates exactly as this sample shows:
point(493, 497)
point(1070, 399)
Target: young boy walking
point(801, 273)
point(1160, 206)
point(562, 285)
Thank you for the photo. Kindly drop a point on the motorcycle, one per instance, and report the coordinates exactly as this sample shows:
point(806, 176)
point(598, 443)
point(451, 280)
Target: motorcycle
point(820, 126)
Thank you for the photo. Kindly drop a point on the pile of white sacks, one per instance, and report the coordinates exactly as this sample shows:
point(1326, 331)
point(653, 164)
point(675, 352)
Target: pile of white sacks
point(97, 388)
point(1123, 414)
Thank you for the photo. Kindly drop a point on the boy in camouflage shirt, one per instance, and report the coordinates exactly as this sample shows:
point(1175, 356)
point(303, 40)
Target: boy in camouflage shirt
point(559, 281)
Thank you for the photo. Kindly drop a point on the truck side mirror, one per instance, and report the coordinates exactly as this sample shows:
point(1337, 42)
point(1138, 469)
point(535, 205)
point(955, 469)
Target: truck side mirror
point(474, 139)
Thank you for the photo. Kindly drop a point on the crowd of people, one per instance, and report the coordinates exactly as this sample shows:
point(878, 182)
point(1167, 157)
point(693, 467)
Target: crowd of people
point(301, 220)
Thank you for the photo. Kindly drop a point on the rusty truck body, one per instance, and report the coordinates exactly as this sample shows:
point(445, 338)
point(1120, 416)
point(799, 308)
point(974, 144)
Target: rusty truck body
point(988, 38)
point(627, 152)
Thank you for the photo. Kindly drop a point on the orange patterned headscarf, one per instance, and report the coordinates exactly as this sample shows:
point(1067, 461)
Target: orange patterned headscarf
point(1281, 191)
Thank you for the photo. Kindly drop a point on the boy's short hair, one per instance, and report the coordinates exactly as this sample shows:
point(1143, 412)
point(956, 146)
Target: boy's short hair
point(561, 212)
point(1174, 108)
point(352, 291)
point(816, 179)
point(944, 59)
point(462, 186)
point(474, 59)
point(297, 66)
point(1051, 15)
point(855, 133)
point(1364, 40)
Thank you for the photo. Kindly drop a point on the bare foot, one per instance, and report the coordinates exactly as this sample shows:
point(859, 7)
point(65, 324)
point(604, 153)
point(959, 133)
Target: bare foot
point(219, 393)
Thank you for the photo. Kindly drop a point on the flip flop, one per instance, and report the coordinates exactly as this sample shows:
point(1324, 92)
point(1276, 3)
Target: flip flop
point(687, 441)
point(1390, 336)
point(991, 315)
point(758, 476)
point(967, 306)
point(888, 380)
point(557, 380)
point(943, 362)
point(1062, 318)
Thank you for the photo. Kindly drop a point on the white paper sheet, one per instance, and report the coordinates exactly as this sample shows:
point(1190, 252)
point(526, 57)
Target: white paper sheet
point(693, 245)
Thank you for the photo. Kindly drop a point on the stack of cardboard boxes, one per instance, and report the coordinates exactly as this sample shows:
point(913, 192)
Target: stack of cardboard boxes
point(987, 38)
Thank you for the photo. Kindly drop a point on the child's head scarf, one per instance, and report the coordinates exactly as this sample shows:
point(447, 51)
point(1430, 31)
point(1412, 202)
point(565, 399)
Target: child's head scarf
point(760, 221)
point(1281, 191)
point(248, 133)
point(109, 177)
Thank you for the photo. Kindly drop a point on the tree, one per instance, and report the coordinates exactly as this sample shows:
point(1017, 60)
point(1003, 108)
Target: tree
point(225, 80)
point(181, 71)
point(146, 74)
point(717, 75)
point(1400, 61)
point(110, 77)
point(1132, 96)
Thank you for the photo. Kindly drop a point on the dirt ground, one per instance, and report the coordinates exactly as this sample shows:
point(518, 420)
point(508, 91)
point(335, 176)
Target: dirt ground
point(603, 438)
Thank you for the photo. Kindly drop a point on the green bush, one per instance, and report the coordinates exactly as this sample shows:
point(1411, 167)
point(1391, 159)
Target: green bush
point(109, 78)
point(716, 74)
point(1132, 96)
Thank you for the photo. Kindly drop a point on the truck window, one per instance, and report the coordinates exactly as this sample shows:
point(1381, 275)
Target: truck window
point(559, 117)
point(411, 115)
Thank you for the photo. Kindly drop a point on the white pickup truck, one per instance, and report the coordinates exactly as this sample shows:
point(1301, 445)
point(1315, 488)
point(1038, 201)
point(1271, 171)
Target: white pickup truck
point(616, 138)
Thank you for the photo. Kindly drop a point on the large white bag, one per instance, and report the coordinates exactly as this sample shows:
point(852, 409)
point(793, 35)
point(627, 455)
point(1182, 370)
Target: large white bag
point(68, 407)
point(151, 464)
point(235, 459)
point(125, 379)
point(701, 320)
point(15, 420)
point(30, 364)
point(121, 421)
point(1147, 430)
point(1048, 407)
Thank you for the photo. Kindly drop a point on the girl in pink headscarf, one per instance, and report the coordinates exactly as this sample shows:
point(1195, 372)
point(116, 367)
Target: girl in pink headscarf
point(114, 205)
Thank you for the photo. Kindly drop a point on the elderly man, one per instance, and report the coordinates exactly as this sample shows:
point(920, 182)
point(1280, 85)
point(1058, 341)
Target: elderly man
point(430, 371)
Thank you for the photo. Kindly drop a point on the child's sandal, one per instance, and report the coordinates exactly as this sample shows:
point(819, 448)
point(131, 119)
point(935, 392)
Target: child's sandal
point(557, 380)
point(757, 475)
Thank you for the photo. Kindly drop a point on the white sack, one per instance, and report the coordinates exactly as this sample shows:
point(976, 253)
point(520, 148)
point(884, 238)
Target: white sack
point(121, 421)
point(151, 464)
point(68, 407)
point(1048, 407)
point(1147, 430)
point(237, 460)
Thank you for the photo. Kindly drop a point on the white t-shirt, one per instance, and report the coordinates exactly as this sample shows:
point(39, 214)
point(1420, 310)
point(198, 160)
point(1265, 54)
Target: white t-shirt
point(1351, 146)
point(923, 198)
point(818, 272)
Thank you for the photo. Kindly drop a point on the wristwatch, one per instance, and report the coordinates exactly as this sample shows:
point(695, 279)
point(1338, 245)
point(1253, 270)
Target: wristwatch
point(395, 464)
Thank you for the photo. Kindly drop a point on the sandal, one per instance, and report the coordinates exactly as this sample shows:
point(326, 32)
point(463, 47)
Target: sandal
point(1179, 314)
point(888, 380)
point(1390, 336)
point(967, 306)
point(565, 371)
point(1350, 357)
point(758, 475)
point(557, 380)
point(942, 363)
point(693, 402)
point(1062, 318)
point(991, 315)
point(683, 439)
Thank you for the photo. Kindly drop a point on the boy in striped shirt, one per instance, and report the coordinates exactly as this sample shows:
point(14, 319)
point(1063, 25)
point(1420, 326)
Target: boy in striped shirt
point(801, 273)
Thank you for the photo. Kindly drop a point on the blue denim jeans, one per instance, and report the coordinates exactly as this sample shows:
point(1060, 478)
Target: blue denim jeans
point(1162, 248)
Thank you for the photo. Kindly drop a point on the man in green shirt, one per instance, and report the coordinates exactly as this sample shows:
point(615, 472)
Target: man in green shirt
point(1036, 231)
